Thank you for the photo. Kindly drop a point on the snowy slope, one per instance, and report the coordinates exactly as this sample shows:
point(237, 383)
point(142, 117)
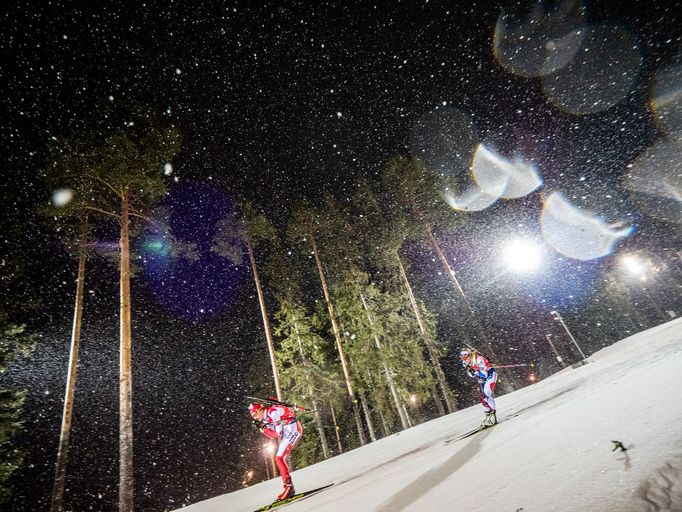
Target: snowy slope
point(552, 451)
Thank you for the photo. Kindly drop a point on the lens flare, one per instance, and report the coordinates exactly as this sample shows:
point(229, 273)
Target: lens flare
point(473, 199)
point(493, 173)
point(576, 234)
point(492, 177)
point(666, 101)
point(539, 42)
point(599, 76)
point(196, 287)
point(654, 180)
point(62, 197)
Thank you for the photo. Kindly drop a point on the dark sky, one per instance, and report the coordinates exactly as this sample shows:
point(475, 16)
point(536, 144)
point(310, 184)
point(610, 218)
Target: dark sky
point(281, 100)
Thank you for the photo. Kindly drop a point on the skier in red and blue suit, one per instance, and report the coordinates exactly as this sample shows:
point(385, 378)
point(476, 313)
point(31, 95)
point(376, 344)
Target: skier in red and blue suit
point(479, 367)
point(279, 422)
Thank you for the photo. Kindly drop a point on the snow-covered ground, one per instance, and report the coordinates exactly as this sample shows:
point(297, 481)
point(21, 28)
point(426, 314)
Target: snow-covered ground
point(552, 451)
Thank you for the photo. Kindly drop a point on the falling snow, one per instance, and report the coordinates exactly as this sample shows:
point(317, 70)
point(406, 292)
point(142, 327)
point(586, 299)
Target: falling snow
point(549, 131)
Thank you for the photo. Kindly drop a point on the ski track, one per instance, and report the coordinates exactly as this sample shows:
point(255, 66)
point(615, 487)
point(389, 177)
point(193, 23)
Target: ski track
point(552, 451)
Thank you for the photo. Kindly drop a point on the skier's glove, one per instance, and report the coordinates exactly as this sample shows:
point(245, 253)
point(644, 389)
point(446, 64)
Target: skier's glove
point(471, 372)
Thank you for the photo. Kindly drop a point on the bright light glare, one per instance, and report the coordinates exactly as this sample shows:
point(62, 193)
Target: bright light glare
point(522, 256)
point(633, 264)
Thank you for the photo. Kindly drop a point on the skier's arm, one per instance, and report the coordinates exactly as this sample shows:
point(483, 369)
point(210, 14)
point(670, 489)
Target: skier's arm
point(481, 368)
point(268, 432)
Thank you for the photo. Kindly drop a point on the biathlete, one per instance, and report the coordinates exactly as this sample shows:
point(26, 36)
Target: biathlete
point(279, 422)
point(479, 367)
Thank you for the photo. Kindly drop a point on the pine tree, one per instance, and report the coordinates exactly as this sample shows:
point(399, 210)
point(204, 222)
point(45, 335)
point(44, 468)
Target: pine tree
point(15, 343)
point(306, 371)
point(79, 243)
point(383, 341)
point(415, 204)
point(382, 239)
point(116, 171)
point(251, 230)
point(306, 225)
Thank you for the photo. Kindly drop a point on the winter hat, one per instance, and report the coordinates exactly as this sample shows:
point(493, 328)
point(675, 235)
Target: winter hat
point(254, 408)
point(464, 353)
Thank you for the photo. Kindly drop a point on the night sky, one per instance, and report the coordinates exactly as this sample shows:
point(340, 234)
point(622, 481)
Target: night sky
point(285, 100)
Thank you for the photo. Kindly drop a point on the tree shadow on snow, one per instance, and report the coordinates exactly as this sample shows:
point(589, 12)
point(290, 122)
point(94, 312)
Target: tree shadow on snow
point(662, 492)
point(425, 483)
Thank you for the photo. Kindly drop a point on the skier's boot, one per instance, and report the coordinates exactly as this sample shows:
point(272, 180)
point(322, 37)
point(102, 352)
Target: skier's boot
point(490, 419)
point(288, 491)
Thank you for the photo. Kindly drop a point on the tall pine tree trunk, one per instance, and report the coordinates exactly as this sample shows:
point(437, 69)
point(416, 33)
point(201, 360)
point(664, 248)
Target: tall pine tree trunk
point(387, 370)
point(455, 284)
point(448, 271)
point(336, 429)
point(125, 493)
point(339, 344)
point(264, 314)
point(368, 417)
point(440, 375)
point(320, 430)
point(63, 451)
point(387, 431)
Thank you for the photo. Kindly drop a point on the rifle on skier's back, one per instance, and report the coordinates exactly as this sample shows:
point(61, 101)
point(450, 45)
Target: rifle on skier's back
point(496, 366)
point(277, 402)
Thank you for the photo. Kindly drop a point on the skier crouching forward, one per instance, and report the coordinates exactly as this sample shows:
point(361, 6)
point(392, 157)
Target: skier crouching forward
point(478, 366)
point(279, 422)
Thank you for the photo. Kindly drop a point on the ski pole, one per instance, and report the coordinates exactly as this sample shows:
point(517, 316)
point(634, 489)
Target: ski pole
point(511, 365)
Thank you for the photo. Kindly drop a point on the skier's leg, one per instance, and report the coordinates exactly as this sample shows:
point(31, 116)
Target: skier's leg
point(290, 437)
point(489, 392)
point(481, 393)
point(484, 397)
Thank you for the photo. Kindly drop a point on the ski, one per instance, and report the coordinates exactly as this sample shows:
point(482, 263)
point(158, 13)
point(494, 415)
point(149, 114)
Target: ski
point(296, 497)
point(277, 402)
point(462, 436)
point(469, 434)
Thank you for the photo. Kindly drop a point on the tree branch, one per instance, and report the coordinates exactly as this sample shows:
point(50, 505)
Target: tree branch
point(97, 178)
point(92, 208)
